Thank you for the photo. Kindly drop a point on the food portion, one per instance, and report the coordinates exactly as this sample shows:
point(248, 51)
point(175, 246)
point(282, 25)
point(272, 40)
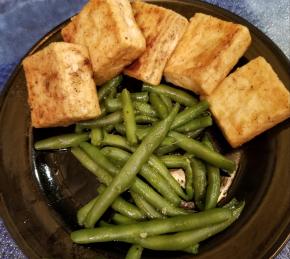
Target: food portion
point(61, 90)
point(162, 29)
point(206, 53)
point(249, 101)
point(109, 31)
point(131, 148)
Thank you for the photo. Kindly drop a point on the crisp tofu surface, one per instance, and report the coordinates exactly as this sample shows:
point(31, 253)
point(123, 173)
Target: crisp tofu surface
point(249, 101)
point(162, 29)
point(108, 29)
point(61, 89)
point(207, 52)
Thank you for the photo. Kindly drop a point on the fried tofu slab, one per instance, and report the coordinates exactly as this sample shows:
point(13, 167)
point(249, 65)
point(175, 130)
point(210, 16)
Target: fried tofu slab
point(61, 89)
point(162, 29)
point(249, 101)
point(207, 52)
point(108, 29)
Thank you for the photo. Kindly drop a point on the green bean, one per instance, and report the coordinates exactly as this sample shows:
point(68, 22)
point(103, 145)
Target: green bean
point(135, 252)
point(138, 186)
point(96, 136)
point(146, 119)
point(140, 96)
point(111, 119)
point(200, 151)
point(120, 128)
point(98, 157)
point(83, 211)
point(159, 166)
point(195, 124)
point(116, 141)
point(106, 88)
point(165, 149)
point(142, 133)
point(188, 114)
point(167, 101)
point(78, 129)
point(126, 176)
point(147, 172)
point(193, 249)
point(122, 220)
point(213, 178)
point(177, 95)
point(103, 223)
point(129, 117)
point(153, 228)
point(61, 141)
point(199, 182)
point(158, 105)
point(146, 207)
point(145, 109)
point(232, 204)
point(108, 128)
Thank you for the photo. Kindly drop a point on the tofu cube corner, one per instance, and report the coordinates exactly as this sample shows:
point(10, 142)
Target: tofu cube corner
point(249, 101)
point(206, 53)
point(61, 89)
point(162, 29)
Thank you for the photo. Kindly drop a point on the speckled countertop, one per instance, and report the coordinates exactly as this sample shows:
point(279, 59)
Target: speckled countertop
point(23, 22)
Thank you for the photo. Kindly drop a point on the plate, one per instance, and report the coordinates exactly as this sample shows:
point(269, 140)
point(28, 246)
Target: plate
point(41, 191)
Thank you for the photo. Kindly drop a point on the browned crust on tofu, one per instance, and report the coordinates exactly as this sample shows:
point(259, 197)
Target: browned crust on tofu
point(207, 52)
point(61, 90)
point(162, 29)
point(249, 101)
point(108, 29)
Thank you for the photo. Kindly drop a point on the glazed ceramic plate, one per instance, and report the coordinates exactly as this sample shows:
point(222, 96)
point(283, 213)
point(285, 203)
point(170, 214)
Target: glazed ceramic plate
point(41, 191)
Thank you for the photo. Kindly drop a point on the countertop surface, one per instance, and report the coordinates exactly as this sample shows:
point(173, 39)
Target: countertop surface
point(23, 22)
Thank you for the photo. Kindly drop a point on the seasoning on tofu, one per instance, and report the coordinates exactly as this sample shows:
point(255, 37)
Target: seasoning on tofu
point(108, 29)
point(61, 89)
point(206, 53)
point(162, 29)
point(249, 101)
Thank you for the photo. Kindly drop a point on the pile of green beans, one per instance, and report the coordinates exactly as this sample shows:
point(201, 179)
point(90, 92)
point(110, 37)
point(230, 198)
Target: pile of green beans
point(131, 148)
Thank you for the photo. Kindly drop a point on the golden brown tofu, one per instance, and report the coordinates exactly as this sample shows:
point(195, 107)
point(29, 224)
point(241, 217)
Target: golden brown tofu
point(206, 53)
point(108, 29)
point(162, 29)
point(61, 89)
point(249, 101)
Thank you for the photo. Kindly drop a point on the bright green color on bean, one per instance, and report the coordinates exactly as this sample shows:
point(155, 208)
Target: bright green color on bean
point(195, 124)
point(158, 105)
point(83, 211)
point(116, 141)
point(61, 141)
point(145, 109)
point(200, 151)
point(167, 101)
point(146, 207)
point(126, 176)
point(135, 252)
point(159, 166)
point(188, 114)
point(149, 229)
point(105, 89)
point(129, 117)
point(98, 157)
point(111, 119)
point(199, 182)
point(143, 118)
point(122, 220)
point(175, 94)
point(213, 179)
point(96, 136)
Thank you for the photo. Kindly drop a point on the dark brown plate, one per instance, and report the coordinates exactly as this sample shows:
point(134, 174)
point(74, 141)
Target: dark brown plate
point(41, 191)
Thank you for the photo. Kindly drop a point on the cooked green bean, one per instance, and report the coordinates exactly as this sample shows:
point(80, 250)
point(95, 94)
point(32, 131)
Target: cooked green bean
point(199, 182)
point(96, 136)
point(103, 223)
point(200, 151)
point(129, 117)
point(165, 149)
point(122, 220)
point(193, 249)
point(195, 124)
point(149, 229)
point(78, 129)
point(116, 141)
point(61, 141)
point(126, 176)
point(158, 105)
point(232, 204)
point(146, 119)
point(188, 114)
point(146, 207)
point(213, 178)
point(167, 101)
point(106, 88)
point(135, 252)
point(145, 109)
point(175, 94)
point(140, 96)
point(83, 211)
point(111, 119)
